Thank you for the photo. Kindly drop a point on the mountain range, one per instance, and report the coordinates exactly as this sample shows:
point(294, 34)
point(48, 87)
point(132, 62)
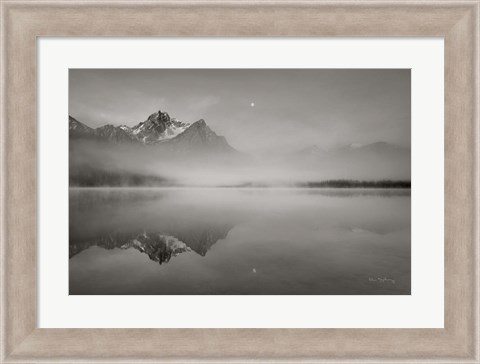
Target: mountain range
point(159, 129)
point(163, 150)
point(373, 161)
point(314, 151)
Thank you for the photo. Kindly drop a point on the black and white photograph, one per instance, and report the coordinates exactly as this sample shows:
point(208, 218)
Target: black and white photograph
point(239, 181)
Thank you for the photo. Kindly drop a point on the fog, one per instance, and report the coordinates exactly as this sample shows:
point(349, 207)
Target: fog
point(208, 170)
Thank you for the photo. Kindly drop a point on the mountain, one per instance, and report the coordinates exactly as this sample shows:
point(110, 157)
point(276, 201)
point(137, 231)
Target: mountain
point(114, 134)
point(107, 132)
point(199, 137)
point(311, 152)
point(374, 161)
point(377, 147)
point(78, 129)
point(159, 151)
point(159, 129)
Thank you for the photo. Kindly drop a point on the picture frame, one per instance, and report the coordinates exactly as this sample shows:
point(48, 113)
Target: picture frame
point(23, 21)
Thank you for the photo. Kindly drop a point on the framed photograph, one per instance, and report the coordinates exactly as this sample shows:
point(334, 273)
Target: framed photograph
point(178, 193)
point(229, 182)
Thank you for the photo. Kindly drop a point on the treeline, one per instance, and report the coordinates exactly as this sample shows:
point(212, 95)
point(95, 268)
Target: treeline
point(350, 183)
point(101, 178)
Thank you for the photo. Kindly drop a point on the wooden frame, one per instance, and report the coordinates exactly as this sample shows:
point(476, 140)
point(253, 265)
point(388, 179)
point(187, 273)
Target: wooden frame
point(23, 21)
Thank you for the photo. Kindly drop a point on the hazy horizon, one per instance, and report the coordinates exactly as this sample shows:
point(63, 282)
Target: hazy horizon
point(257, 110)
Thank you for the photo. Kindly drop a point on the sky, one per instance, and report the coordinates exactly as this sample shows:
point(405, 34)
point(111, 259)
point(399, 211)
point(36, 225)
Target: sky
point(257, 110)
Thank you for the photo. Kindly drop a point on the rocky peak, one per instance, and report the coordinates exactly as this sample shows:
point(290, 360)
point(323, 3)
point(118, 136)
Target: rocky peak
point(199, 138)
point(76, 129)
point(158, 127)
point(75, 125)
point(200, 124)
point(106, 127)
point(113, 133)
point(159, 118)
point(198, 130)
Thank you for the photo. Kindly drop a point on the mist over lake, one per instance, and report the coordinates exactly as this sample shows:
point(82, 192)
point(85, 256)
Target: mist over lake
point(239, 241)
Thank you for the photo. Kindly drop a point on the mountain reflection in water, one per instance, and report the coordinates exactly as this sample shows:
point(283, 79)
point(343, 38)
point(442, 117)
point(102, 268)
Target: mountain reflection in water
point(159, 246)
point(234, 241)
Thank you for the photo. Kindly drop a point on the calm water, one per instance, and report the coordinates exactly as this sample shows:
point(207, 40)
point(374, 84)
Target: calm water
point(234, 241)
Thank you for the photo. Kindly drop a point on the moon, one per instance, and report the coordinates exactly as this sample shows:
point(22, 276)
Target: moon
point(252, 104)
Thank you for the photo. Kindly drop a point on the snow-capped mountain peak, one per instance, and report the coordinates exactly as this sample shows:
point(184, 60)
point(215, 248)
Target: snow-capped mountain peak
point(161, 130)
point(158, 127)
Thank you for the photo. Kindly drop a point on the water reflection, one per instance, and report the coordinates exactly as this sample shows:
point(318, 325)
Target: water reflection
point(230, 241)
point(159, 246)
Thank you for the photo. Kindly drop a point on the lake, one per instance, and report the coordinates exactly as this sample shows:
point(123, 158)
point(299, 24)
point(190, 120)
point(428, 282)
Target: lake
point(239, 241)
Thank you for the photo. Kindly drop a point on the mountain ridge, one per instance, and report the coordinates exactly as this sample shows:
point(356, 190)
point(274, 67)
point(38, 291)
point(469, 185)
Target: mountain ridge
point(158, 129)
point(180, 153)
point(378, 145)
